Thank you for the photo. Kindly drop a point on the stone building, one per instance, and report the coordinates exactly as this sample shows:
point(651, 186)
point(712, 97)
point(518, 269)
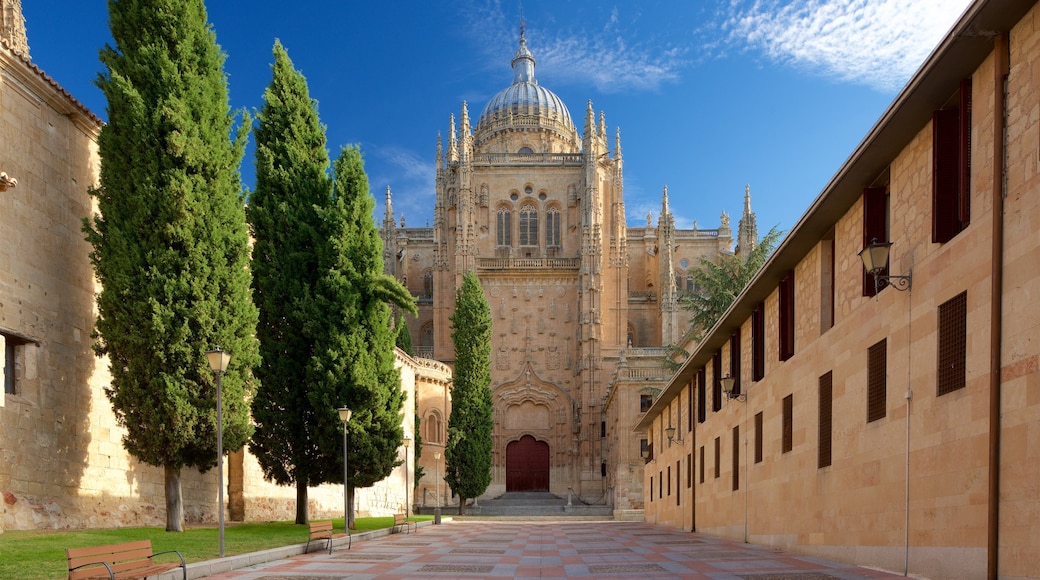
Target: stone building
point(583, 304)
point(62, 462)
point(896, 425)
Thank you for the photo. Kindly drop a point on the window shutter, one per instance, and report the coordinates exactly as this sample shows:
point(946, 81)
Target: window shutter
point(964, 191)
point(786, 316)
point(758, 342)
point(734, 361)
point(945, 175)
point(875, 227)
point(716, 383)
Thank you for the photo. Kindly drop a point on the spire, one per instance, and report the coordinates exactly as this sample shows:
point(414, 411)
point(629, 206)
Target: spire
point(664, 202)
point(603, 124)
point(440, 151)
point(465, 120)
point(389, 206)
point(453, 144)
point(523, 61)
point(12, 27)
point(617, 147)
point(747, 228)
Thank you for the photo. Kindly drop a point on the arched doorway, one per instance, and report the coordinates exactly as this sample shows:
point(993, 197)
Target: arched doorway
point(527, 465)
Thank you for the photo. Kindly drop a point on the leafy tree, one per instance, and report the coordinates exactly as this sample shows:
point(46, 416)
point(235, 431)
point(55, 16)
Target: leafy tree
point(170, 243)
point(417, 454)
point(292, 182)
point(353, 362)
point(467, 454)
point(404, 338)
point(722, 281)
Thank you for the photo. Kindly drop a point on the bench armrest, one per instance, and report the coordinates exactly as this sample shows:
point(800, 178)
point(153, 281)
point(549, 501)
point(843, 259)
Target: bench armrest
point(184, 566)
point(111, 574)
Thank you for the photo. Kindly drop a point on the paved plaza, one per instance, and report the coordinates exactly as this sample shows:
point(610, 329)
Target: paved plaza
point(514, 549)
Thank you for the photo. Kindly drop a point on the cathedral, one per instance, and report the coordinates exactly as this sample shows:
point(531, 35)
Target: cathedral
point(583, 304)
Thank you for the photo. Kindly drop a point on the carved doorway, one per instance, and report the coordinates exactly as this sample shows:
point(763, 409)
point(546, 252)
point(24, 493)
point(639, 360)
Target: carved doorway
point(527, 465)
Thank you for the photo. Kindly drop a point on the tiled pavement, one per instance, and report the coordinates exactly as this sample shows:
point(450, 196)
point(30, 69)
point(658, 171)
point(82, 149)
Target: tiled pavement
point(510, 549)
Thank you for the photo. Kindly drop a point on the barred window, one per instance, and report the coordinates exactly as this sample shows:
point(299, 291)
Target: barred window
point(952, 344)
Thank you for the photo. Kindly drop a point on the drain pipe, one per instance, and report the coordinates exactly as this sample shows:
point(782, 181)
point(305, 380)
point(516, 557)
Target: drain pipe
point(1001, 70)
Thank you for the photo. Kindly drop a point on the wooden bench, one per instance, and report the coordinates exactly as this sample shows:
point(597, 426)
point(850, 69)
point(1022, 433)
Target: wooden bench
point(119, 561)
point(322, 531)
point(402, 520)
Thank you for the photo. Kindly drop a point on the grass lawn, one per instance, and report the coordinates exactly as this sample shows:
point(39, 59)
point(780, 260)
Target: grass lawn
point(40, 554)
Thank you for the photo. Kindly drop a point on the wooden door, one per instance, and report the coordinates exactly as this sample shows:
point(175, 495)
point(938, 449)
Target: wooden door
point(527, 465)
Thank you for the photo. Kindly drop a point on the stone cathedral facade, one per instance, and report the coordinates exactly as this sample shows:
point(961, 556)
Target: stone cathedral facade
point(583, 304)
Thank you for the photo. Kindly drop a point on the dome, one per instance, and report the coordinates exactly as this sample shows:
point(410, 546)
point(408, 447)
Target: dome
point(525, 104)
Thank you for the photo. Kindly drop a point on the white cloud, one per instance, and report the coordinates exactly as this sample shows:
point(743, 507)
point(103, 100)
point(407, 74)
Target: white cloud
point(605, 57)
point(879, 43)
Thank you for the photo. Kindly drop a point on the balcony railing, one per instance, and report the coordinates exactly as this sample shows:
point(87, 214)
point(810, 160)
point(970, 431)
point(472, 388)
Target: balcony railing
point(528, 263)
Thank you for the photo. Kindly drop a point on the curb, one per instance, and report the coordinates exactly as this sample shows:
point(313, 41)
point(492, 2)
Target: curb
point(210, 567)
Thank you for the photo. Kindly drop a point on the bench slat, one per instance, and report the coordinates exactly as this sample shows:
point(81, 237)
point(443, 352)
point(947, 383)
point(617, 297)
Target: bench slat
point(126, 560)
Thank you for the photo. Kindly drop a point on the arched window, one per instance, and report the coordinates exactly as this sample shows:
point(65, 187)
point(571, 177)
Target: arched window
point(433, 427)
point(505, 225)
point(553, 237)
point(528, 226)
point(525, 151)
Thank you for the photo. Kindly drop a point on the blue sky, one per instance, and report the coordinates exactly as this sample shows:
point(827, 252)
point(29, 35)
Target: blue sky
point(709, 95)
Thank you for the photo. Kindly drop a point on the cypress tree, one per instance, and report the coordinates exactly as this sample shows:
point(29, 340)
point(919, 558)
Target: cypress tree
point(353, 362)
point(292, 182)
point(170, 243)
point(467, 454)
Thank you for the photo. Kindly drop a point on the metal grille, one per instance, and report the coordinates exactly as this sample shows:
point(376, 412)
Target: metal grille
point(953, 330)
point(877, 380)
point(824, 453)
point(787, 439)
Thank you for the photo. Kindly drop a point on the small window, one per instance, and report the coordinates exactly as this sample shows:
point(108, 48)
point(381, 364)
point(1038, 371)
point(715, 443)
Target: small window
point(734, 360)
point(644, 448)
point(702, 465)
point(877, 381)
point(951, 167)
point(645, 402)
point(716, 382)
point(758, 437)
point(875, 228)
point(952, 344)
point(823, 458)
point(758, 342)
point(736, 458)
point(525, 151)
point(669, 480)
point(15, 352)
point(602, 429)
point(787, 440)
point(702, 413)
point(718, 457)
point(689, 470)
point(678, 482)
point(786, 324)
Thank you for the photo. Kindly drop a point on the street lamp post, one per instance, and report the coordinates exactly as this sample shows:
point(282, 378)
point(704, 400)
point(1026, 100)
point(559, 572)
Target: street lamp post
point(437, 478)
point(344, 415)
point(218, 362)
point(407, 444)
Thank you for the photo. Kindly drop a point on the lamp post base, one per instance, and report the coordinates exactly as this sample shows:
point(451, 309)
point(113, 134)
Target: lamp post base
point(436, 516)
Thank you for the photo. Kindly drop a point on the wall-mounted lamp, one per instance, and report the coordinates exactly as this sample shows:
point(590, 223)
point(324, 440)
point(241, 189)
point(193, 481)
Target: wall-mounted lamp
point(875, 260)
point(670, 433)
point(729, 383)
